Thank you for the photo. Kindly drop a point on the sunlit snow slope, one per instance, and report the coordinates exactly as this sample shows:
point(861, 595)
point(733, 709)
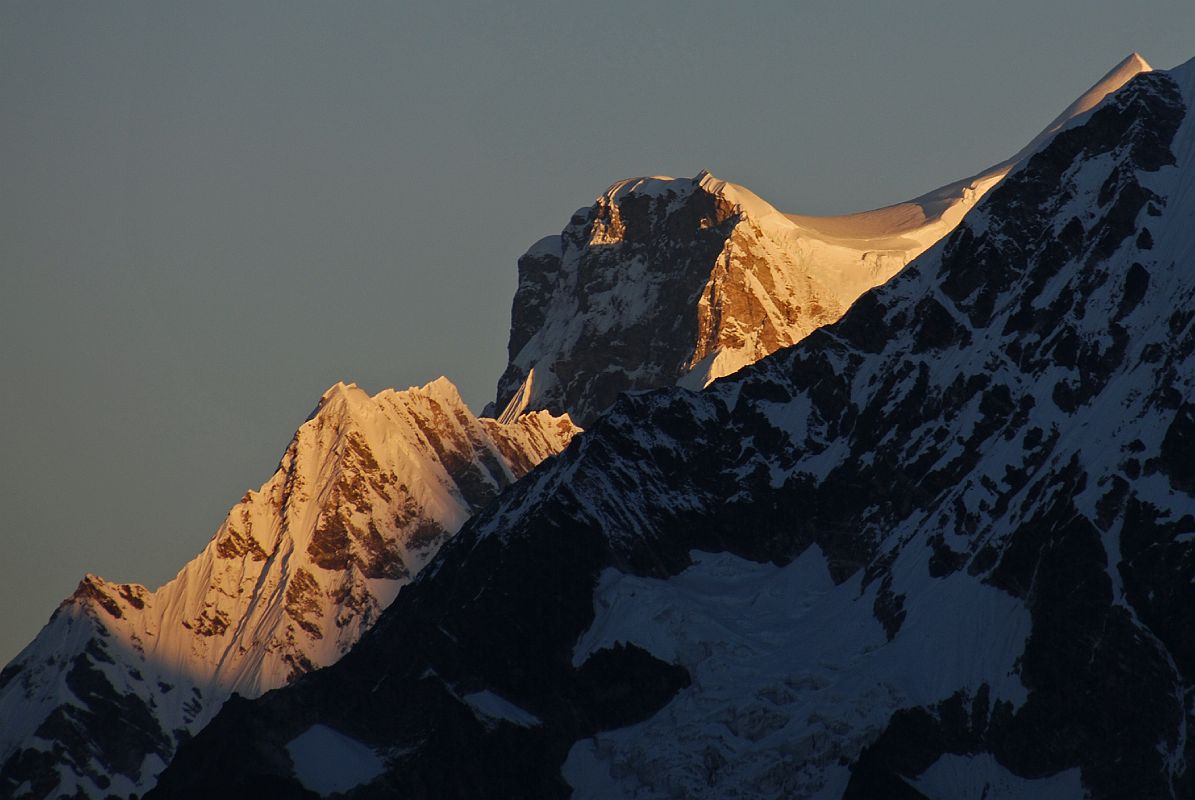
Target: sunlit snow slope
point(669, 280)
point(367, 491)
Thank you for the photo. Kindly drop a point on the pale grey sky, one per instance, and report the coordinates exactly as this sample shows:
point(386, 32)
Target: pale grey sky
point(212, 212)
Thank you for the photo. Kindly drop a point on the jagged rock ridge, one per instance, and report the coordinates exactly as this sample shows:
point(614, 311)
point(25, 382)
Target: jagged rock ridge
point(664, 281)
point(942, 548)
point(367, 491)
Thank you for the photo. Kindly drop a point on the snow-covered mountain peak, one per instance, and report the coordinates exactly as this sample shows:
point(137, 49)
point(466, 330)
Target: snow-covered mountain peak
point(339, 395)
point(1130, 67)
point(95, 596)
point(743, 200)
point(658, 276)
point(734, 198)
point(340, 389)
point(365, 493)
point(1135, 59)
point(667, 281)
point(442, 390)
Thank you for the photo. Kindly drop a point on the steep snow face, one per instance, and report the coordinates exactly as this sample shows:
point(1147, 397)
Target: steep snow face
point(945, 545)
point(666, 281)
point(367, 491)
point(769, 713)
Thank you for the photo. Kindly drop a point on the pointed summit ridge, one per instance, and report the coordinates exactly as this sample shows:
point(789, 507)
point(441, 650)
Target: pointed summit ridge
point(1130, 67)
point(339, 393)
point(747, 201)
point(442, 390)
point(1135, 59)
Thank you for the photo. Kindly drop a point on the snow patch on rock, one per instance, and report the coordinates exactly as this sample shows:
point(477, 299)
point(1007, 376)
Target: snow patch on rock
point(790, 673)
point(981, 777)
point(327, 762)
point(491, 708)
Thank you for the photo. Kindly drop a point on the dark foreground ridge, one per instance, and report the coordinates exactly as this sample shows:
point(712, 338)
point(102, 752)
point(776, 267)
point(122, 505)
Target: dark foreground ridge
point(1009, 417)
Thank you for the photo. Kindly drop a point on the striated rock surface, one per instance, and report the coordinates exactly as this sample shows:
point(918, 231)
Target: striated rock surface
point(366, 493)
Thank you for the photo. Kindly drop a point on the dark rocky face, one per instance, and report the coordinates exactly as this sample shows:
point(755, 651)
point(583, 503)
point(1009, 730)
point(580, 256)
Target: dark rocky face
point(1008, 412)
point(671, 243)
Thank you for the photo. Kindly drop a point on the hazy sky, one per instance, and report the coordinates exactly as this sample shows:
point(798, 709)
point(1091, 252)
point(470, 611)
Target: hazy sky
point(210, 213)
